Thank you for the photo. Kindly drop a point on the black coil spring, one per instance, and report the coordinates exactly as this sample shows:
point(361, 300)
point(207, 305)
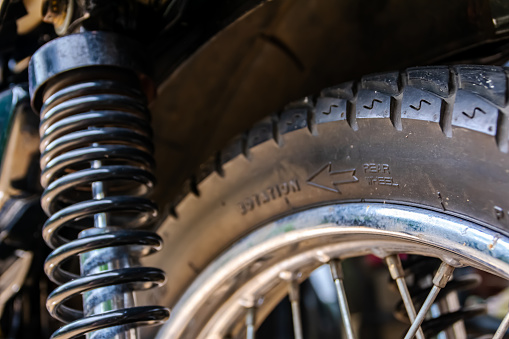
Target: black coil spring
point(103, 122)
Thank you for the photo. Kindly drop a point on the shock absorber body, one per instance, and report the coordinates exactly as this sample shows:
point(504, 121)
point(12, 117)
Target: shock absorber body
point(96, 163)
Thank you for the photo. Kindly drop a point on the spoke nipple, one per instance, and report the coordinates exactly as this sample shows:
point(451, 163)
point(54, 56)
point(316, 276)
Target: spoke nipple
point(250, 301)
point(380, 253)
point(336, 269)
point(251, 317)
point(453, 262)
point(285, 275)
point(322, 257)
point(289, 276)
point(395, 268)
point(443, 275)
point(293, 291)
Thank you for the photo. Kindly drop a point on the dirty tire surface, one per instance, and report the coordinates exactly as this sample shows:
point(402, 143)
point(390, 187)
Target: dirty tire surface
point(435, 137)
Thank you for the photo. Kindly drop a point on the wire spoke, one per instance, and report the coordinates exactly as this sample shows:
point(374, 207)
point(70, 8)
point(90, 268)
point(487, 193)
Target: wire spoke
point(250, 323)
point(294, 300)
point(441, 278)
point(502, 329)
point(398, 275)
point(337, 275)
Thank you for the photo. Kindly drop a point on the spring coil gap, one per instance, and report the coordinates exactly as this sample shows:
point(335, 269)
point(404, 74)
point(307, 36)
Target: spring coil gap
point(97, 132)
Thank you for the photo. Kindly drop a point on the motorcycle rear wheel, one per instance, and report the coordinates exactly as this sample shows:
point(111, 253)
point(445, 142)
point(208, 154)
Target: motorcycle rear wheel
point(431, 142)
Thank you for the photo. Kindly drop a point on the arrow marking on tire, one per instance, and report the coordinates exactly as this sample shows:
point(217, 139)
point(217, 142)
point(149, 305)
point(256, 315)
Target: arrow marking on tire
point(327, 179)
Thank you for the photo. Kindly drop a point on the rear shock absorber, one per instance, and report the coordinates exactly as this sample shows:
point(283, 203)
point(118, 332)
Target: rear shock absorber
point(96, 162)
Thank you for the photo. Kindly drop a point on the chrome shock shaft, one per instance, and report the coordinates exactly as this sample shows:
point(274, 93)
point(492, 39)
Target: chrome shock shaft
point(96, 162)
point(108, 298)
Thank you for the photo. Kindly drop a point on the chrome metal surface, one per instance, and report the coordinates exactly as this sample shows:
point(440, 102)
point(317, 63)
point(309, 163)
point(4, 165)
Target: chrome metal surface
point(300, 243)
point(502, 330)
point(398, 274)
point(250, 323)
point(337, 276)
point(96, 162)
point(293, 294)
point(441, 278)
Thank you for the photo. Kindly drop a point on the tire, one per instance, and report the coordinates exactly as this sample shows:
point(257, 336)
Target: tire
point(434, 137)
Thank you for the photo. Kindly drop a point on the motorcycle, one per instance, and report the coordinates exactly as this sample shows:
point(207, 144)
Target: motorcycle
point(372, 208)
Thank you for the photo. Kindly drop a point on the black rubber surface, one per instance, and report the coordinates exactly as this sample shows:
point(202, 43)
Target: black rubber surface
point(435, 137)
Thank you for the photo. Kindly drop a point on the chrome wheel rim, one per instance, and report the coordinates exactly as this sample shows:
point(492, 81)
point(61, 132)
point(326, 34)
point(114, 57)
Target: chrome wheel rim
point(257, 271)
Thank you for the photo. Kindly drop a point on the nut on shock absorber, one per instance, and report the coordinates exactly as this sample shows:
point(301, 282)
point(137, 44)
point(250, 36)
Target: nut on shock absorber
point(96, 162)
